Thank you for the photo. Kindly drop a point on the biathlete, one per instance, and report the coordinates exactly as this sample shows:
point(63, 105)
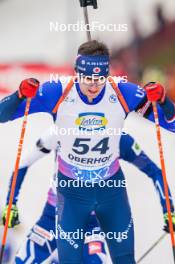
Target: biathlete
point(92, 153)
point(39, 237)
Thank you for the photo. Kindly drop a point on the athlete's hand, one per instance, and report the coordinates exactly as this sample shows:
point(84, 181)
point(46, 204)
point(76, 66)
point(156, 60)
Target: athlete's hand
point(28, 88)
point(14, 216)
point(155, 92)
point(166, 226)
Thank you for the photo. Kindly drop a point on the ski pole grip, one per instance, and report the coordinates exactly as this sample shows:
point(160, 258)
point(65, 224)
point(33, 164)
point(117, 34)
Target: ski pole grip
point(85, 3)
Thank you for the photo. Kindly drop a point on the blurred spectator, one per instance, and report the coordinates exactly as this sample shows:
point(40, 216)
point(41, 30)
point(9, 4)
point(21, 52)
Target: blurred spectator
point(170, 82)
point(153, 74)
point(161, 20)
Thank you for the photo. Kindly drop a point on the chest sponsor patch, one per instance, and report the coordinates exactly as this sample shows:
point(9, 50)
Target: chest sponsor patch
point(113, 98)
point(91, 121)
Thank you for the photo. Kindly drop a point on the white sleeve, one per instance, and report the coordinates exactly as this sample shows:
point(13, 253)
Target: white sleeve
point(48, 141)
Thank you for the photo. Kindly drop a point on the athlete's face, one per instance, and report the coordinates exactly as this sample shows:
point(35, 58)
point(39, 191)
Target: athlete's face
point(91, 87)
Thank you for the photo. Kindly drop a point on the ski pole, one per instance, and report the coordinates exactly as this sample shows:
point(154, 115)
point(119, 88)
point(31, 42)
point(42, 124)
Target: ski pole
point(18, 157)
point(84, 4)
point(152, 247)
point(162, 161)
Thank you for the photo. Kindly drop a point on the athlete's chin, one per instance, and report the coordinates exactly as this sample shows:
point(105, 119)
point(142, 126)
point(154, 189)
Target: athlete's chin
point(92, 95)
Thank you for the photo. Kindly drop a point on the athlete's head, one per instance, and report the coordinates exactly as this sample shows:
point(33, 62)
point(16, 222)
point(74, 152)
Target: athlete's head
point(92, 66)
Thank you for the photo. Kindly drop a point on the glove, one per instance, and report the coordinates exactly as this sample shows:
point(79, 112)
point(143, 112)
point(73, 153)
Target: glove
point(14, 216)
point(155, 92)
point(28, 88)
point(166, 226)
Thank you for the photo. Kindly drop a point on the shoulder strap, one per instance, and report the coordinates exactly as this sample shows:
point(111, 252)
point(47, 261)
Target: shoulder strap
point(65, 93)
point(119, 94)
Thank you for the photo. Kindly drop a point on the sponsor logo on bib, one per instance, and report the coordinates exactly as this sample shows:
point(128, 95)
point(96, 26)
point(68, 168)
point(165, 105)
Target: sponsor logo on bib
point(91, 121)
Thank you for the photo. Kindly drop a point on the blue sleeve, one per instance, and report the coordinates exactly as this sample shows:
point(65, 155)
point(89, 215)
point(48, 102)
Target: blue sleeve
point(8, 106)
point(136, 98)
point(45, 100)
point(20, 178)
point(131, 152)
point(133, 94)
point(126, 143)
point(165, 123)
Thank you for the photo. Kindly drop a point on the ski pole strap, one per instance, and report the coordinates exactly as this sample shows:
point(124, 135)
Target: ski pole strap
point(65, 93)
point(85, 3)
point(119, 94)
